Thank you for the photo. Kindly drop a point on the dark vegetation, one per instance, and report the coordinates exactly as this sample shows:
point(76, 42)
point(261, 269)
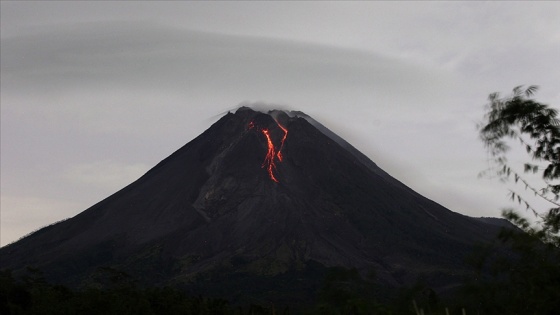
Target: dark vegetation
point(343, 291)
point(33, 295)
point(527, 279)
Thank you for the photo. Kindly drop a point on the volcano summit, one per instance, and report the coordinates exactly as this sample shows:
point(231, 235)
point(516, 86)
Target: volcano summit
point(259, 202)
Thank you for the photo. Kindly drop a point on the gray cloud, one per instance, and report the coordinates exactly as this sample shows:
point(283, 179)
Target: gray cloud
point(137, 55)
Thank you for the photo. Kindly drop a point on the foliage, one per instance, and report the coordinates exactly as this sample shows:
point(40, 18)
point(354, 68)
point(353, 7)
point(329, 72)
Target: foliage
point(344, 291)
point(522, 280)
point(33, 295)
point(524, 276)
point(537, 128)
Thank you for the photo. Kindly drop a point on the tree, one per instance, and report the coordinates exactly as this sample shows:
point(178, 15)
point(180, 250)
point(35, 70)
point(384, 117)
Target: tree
point(525, 278)
point(537, 128)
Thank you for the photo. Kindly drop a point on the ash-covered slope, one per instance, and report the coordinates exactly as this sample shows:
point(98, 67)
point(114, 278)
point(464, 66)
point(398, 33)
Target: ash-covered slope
point(263, 195)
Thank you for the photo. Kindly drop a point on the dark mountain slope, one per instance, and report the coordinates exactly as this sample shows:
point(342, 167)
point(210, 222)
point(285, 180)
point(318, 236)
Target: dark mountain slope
point(217, 209)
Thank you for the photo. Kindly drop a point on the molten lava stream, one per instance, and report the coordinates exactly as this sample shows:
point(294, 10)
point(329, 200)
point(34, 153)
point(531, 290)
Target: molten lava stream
point(269, 159)
point(279, 154)
point(271, 153)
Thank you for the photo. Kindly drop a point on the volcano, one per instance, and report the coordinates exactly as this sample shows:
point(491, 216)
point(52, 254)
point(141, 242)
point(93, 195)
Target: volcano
point(259, 202)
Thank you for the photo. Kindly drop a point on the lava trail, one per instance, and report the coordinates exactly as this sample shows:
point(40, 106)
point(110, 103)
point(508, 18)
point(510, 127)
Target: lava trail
point(272, 154)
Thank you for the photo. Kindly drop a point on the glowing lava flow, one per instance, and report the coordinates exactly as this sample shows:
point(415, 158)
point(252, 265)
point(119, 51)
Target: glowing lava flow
point(269, 159)
point(272, 154)
point(279, 154)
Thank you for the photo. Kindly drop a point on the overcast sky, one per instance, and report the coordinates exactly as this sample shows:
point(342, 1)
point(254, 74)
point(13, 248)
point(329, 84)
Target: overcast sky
point(93, 94)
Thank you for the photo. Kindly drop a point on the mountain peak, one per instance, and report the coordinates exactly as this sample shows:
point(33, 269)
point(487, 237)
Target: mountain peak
point(259, 194)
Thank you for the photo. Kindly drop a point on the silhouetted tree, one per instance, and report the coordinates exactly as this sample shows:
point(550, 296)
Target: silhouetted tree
point(537, 128)
point(525, 279)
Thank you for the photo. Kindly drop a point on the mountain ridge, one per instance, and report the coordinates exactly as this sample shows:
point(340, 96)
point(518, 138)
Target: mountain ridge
point(213, 207)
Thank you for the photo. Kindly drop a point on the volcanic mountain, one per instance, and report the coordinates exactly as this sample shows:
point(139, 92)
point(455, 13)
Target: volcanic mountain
point(259, 202)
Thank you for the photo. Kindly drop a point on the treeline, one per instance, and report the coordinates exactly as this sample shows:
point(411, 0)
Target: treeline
point(344, 292)
point(525, 282)
point(522, 280)
point(31, 294)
